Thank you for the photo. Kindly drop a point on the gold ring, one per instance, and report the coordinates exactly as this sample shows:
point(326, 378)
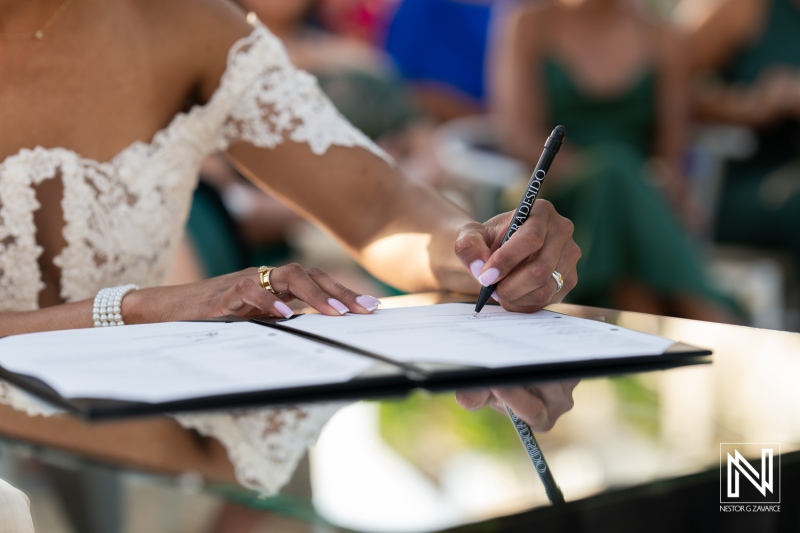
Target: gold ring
point(263, 277)
point(559, 279)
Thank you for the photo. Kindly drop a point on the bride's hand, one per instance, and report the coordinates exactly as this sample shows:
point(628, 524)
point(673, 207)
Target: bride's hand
point(240, 294)
point(524, 267)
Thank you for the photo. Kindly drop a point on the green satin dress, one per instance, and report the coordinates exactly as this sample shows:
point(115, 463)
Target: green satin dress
point(623, 225)
point(759, 205)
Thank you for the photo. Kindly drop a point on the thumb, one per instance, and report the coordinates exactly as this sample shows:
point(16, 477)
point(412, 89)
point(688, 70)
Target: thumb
point(472, 247)
point(473, 400)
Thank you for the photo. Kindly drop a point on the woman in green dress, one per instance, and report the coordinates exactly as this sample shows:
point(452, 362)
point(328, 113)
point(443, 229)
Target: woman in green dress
point(616, 80)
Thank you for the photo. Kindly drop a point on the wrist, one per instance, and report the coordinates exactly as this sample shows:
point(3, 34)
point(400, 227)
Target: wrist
point(134, 308)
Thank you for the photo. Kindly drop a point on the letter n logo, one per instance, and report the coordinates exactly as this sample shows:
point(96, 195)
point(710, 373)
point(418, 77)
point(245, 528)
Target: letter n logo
point(748, 481)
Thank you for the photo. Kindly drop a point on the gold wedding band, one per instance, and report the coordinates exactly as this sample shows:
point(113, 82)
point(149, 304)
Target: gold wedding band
point(559, 279)
point(263, 277)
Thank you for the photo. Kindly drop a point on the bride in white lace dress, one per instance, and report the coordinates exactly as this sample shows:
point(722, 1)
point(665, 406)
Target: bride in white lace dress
point(106, 111)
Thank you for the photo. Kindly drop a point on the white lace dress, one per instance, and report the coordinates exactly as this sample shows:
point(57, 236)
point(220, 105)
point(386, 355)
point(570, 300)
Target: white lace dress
point(125, 217)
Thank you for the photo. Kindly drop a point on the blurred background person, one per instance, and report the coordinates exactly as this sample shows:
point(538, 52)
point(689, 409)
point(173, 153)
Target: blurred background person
point(746, 58)
point(616, 78)
point(360, 19)
point(439, 46)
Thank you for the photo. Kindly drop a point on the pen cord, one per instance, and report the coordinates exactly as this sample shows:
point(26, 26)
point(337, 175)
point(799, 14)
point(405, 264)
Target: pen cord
point(552, 489)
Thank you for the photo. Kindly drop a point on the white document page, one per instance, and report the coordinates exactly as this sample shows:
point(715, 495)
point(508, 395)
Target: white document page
point(448, 333)
point(172, 361)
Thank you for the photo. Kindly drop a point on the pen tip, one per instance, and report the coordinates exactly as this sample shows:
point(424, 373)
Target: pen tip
point(475, 315)
point(559, 132)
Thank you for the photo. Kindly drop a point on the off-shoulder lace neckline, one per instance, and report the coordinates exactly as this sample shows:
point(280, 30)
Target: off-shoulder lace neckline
point(139, 146)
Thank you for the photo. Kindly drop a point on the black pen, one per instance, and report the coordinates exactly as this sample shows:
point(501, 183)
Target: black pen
point(535, 453)
point(525, 206)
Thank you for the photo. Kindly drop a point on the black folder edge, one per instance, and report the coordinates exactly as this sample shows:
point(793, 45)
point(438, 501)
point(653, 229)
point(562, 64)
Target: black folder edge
point(408, 377)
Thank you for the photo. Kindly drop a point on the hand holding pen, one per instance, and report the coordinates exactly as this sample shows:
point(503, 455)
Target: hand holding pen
point(522, 269)
point(546, 261)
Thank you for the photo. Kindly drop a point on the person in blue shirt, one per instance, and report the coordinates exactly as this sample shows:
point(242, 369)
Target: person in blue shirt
point(440, 46)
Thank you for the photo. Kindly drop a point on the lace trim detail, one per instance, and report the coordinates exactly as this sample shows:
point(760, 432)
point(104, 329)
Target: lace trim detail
point(264, 445)
point(22, 401)
point(19, 252)
point(101, 206)
point(285, 102)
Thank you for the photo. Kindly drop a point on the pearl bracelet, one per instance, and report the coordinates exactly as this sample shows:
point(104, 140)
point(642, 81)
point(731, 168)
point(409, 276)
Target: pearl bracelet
point(107, 309)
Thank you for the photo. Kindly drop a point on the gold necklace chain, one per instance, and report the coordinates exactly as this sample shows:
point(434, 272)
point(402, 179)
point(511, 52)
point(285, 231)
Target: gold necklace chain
point(39, 34)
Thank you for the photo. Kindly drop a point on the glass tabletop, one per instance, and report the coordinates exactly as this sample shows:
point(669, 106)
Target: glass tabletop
point(423, 463)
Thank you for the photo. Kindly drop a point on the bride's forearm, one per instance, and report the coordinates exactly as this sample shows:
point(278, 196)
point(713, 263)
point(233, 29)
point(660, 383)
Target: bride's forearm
point(415, 252)
point(67, 316)
point(402, 231)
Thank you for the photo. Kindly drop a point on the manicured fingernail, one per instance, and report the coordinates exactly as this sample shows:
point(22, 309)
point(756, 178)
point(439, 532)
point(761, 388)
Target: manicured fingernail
point(339, 306)
point(283, 309)
point(495, 296)
point(489, 277)
point(370, 303)
point(475, 267)
point(371, 299)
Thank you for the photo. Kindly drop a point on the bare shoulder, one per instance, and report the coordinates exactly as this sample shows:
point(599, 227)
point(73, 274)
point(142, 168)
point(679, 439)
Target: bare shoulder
point(194, 18)
point(198, 32)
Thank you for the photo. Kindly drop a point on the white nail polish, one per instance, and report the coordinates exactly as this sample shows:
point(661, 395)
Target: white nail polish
point(476, 267)
point(369, 303)
point(339, 306)
point(284, 309)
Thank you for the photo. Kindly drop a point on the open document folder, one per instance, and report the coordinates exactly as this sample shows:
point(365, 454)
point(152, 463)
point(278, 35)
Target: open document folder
point(181, 366)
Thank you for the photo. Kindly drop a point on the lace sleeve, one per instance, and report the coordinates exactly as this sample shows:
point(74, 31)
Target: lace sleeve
point(276, 101)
